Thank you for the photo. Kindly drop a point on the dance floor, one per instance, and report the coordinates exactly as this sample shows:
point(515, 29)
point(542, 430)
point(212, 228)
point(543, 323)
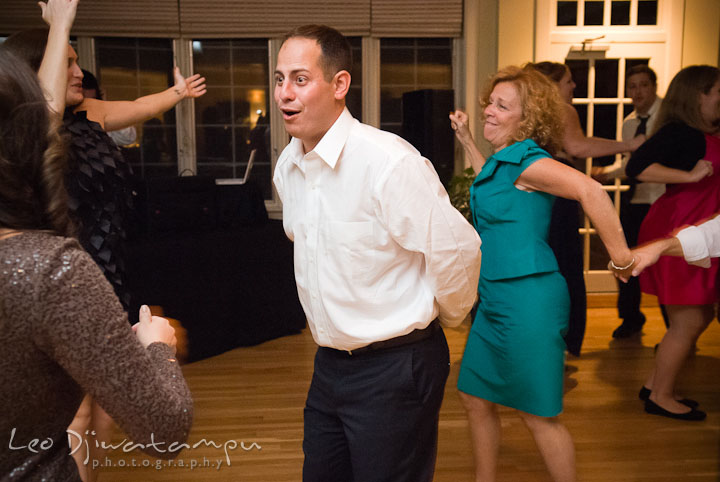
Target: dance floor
point(249, 401)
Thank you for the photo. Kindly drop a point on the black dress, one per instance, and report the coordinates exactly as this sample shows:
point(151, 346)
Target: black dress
point(566, 243)
point(99, 184)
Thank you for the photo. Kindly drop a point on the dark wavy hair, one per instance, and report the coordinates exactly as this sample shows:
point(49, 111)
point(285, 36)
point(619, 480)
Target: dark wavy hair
point(682, 100)
point(542, 106)
point(28, 45)
point(32, 154)
point(336, 50)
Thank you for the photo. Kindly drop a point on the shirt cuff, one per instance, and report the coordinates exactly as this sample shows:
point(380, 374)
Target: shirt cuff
point(694, 248)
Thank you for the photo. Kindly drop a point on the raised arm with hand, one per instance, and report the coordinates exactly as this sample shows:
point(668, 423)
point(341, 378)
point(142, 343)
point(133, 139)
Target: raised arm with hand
point(113, 115)
point(59, 15)
point(459, 123)
point(577, 144)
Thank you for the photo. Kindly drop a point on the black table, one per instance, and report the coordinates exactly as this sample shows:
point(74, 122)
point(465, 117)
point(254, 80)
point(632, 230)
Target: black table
point(226, 273)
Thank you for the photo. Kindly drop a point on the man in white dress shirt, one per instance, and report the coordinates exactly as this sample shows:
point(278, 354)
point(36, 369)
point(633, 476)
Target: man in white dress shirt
point(641, 86)
point(381, 259)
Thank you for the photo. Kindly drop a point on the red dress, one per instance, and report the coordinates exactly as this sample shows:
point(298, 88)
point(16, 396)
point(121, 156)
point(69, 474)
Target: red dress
point(671, 279)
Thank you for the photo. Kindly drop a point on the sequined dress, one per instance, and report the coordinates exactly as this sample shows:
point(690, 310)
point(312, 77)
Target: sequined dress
point(62, 334)
point(99, 184)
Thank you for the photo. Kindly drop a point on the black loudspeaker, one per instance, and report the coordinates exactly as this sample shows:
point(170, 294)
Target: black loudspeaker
point(427, 127)
point(180, 204)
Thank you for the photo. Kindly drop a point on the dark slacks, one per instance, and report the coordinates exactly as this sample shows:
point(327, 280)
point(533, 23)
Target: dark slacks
point(567, 245)
point(373, 417)
point(629, 294)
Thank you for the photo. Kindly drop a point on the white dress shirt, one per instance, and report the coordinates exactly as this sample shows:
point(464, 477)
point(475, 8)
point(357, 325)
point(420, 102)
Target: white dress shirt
point(700, 243)
point(379, 249)
point(645, 192)
point(124, 137)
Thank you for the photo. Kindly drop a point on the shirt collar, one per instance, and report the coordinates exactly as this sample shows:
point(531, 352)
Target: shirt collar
point(331, 144)
point(651, 111)
point(656, 105)
point(514, 152)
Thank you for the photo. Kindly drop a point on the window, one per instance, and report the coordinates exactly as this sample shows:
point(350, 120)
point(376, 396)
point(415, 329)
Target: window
point(131, 68)
point(353, 100)
point(407, 65)
point(232, 119)
point(601, 104)
point(234, 116)
point(606, 12)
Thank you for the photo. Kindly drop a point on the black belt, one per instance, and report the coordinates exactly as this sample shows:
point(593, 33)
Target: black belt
point(412, 337)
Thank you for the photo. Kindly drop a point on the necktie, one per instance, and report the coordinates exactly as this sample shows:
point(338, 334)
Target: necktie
point(641, 130)
point(642, 126)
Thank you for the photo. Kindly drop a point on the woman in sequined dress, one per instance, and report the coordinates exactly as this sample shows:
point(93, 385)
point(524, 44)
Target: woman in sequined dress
point(98, 178)
point(52, 295)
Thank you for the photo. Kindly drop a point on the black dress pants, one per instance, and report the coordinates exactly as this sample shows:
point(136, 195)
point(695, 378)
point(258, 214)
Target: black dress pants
point(373, 417)
point(629, 294)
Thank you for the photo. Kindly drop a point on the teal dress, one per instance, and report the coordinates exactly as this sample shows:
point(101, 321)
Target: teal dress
point(515, 351)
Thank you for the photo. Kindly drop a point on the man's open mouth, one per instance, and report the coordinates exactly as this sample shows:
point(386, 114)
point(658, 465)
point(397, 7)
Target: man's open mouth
point(289, 113)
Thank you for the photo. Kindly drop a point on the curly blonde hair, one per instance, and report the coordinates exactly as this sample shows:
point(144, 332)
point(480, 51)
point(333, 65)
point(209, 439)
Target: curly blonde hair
point(542, 106)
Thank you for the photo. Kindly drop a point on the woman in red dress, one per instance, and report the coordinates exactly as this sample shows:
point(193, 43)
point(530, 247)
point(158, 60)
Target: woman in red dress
point(685, 155)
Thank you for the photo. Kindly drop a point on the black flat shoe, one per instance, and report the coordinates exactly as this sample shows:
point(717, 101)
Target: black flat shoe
point(644, 395)
point(694, 415)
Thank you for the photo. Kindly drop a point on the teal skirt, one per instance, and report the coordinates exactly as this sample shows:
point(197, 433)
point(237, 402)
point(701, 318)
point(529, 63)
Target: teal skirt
point(515, 352)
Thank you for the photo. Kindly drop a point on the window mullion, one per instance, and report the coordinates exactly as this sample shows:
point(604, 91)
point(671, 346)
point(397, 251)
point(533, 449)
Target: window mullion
point(185, 112)
point(371, 81)
point(86, 54)
point(278, 135)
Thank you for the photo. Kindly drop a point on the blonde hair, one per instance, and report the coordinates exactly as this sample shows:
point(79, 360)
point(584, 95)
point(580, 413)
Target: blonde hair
point(542, 106)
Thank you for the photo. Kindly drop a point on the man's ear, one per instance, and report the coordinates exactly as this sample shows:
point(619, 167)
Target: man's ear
point(341, 82)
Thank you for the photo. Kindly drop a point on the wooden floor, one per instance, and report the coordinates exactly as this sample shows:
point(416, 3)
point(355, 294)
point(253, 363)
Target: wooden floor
point(249, 403)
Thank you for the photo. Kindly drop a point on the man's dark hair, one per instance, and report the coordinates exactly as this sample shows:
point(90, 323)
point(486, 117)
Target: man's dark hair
point(336, 50)
point(89, 82)
point(641, 69)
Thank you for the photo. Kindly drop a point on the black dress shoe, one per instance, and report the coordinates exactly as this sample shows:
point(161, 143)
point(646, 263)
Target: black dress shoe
point(629, 328)
point(694, 415)
point(644, 395)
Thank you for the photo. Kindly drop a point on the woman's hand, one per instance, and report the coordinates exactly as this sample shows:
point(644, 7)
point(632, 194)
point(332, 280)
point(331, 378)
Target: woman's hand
point(459, 123)
point(701, 170)
point(60, 13)
point(623, 271)
point(151, 329)
point(193, 86)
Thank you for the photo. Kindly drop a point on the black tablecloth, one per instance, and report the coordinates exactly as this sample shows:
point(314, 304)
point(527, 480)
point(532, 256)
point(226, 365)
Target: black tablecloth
point(226, 275)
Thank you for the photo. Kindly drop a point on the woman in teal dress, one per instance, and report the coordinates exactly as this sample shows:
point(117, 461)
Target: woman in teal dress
point(515, 351)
